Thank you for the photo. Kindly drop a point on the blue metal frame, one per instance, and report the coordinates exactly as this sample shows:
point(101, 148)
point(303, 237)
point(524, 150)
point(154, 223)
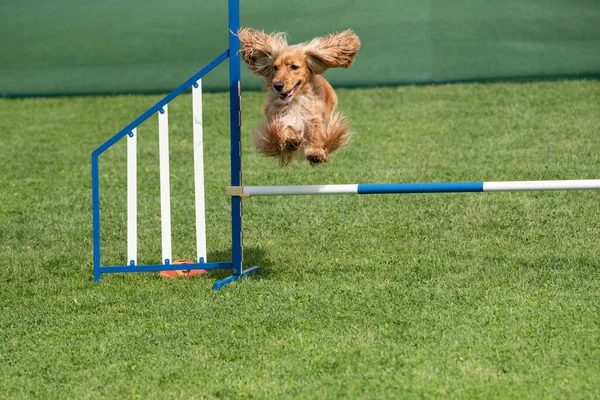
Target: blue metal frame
point(236, 168)
point(158, 106)
point(164, 267)
point(234, 278)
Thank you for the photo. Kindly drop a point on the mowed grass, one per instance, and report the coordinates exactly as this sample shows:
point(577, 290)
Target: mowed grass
point(482, 295)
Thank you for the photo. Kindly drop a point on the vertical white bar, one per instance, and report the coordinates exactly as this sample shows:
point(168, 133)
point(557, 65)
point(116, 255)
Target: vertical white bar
point(132, 197)
point(165, 195)
point(199, 171)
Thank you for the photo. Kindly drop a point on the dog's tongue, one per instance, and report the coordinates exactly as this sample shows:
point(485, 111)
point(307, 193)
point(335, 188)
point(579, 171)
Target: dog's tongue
point(287, 94)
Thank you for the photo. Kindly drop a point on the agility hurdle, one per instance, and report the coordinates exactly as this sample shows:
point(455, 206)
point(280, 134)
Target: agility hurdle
point(236, 191)
point(131, 132)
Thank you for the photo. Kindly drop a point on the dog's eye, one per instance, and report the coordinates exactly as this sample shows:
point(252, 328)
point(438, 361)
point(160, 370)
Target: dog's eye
point(275, 68)
point(294, 67)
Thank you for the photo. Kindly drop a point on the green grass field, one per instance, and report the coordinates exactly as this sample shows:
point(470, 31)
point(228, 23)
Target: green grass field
point(395, 296)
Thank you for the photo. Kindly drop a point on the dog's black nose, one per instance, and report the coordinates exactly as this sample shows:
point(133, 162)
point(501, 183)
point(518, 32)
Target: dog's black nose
point(278, 86)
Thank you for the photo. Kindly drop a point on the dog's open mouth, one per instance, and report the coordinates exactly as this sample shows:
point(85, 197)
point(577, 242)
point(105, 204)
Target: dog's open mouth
point(290, 93)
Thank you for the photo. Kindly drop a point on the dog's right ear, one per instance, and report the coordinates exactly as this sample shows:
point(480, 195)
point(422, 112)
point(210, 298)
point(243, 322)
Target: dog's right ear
point(259, 49)
point(332, 51)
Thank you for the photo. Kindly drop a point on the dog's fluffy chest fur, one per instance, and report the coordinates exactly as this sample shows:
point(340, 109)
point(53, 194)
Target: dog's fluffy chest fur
point(297, 113)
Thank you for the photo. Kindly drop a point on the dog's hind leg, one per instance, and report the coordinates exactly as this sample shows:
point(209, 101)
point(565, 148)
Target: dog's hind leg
point(327, 138)
point(316, 152)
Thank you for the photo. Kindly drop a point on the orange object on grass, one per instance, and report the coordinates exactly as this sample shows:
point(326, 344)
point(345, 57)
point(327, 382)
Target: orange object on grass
point(185, 273)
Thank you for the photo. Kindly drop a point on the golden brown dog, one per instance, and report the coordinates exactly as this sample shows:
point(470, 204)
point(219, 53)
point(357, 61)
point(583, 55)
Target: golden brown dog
point(300, 106)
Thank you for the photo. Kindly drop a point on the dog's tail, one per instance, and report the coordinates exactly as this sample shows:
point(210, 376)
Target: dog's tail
point(337, 133)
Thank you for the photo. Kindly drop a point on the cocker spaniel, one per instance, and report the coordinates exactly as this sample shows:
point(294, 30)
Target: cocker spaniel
point(301, 105)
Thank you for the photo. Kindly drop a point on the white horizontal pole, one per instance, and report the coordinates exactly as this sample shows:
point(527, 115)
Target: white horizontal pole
point(583, 184)
point(299, 190)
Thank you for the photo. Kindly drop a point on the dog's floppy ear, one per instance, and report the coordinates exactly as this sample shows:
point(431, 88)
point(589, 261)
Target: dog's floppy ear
point(258, 49)
point(332, 51)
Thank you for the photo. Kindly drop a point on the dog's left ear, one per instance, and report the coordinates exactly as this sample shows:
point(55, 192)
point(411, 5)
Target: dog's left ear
point(332, 51)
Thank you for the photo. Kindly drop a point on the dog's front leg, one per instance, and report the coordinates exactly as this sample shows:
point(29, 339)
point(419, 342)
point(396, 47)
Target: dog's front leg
point(291, 140)
point(275, 139)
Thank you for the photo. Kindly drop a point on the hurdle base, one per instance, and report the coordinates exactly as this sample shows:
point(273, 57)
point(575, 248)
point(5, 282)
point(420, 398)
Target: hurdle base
point(171, 267)
point(158, 267)
point(234, 278)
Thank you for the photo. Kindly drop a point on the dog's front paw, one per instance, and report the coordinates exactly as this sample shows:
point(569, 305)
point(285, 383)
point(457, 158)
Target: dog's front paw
point(316, 156)
point(292, 144)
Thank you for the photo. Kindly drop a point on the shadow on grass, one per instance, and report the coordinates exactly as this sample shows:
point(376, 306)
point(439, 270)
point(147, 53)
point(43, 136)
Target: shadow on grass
point(253, 256)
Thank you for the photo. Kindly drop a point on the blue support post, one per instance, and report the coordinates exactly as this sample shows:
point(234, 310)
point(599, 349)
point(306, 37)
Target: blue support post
point(96, 215)
point(235, 147)
point(235, 127)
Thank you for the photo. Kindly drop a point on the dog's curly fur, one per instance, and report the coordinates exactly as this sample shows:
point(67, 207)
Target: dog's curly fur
point(300, 106)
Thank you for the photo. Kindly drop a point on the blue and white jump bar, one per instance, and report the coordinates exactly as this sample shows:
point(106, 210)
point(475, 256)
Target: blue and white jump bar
point(389, 188)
